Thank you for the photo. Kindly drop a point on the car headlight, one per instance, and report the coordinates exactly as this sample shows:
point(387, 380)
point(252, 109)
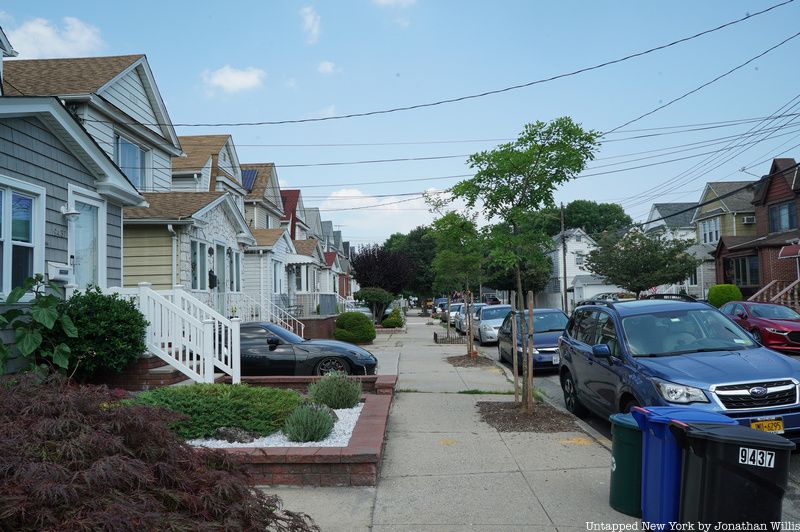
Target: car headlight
point(776, 331)
point(362, 355)
point(678, 393)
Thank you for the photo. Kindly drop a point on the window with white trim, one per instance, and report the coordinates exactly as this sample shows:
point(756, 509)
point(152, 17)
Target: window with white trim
point(132, 160)
point(87, 236)
point(579, 260)
point(277, 278)
point(235, 271)
point(199, 251)
point(709, 230)
point(21, 232)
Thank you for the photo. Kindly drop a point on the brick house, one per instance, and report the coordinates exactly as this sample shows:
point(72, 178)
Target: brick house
point(752, 262)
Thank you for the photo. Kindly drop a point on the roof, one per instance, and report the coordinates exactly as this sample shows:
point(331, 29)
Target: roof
point(5, 46)
point(171, 205)
point(290, 199)
point(330, 258)
point(780, 239)
point(569, 233)
point(198, 150)
point(306, 247)
point(327, 228)
point(702, 251)
point(46, 77)
point(676, 214)
point(267, 237)
point(782, 167)
point(741, 201)
point(261, 174)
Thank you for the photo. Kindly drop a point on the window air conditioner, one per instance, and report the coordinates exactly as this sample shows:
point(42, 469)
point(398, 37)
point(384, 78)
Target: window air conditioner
point(748, 220)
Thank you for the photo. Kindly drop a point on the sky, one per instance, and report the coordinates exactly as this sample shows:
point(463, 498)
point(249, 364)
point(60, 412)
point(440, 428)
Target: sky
point(251, 61)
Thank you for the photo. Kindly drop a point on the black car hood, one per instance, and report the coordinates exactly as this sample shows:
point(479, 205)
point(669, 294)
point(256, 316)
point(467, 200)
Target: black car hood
point(334, 345)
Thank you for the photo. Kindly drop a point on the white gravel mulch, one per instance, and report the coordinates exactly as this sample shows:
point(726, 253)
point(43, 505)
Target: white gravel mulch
point(339, 436)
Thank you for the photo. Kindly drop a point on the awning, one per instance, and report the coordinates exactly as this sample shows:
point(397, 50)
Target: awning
point(294, 258)
point(789, 252)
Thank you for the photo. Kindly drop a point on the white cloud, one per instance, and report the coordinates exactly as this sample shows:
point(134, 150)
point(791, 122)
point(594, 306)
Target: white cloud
point(5, 17)
point(326, 112)
point(394, 3)
point(311, 24)
point(39, 38)
point(327, 67)
point(231, 79)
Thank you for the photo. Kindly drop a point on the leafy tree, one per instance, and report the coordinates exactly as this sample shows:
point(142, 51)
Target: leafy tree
point(378, 266)
point(377, 299)
point(420, 249)
point(592, 217)
point(638, 261)
point(502, 248)
point(458, 264)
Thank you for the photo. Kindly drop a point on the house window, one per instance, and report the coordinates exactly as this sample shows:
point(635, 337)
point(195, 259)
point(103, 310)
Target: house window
point(709, 229)
point(692, 281)
point(131, 159)
point(782, 217)
point(199, 265)
point(298, 278)
point(238, 264)
point(742, 271)
point(21, 232)
point(577, 238)
point(579, 260)
point(277, 280)
point(235, 269)
point(87, 237)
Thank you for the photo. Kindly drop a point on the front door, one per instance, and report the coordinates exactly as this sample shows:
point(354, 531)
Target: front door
point(221, 280)
point(87, 240)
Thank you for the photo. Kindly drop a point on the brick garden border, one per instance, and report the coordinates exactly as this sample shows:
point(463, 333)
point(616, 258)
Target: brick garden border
point(358, 464)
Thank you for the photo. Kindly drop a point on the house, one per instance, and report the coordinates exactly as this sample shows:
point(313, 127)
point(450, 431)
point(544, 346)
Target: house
point(294, 214)
point(761, 265)
point(209, 164)
point(306, 277)
point(193, 239)
point(263, 203)
point(593, 287)
point(313, 219)
point(330, 279)
point(674, 219)
point(578, 245)
point(118, 103)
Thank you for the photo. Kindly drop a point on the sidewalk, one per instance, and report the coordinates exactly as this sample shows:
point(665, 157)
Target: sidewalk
point(444, 469)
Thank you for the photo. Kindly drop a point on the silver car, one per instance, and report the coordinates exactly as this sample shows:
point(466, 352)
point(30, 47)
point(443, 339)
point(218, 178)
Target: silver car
point(460, 321)
point(488, 320)
point(454, 309)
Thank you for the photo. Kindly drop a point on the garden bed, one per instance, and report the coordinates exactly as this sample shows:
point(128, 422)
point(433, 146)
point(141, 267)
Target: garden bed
point(455, 338)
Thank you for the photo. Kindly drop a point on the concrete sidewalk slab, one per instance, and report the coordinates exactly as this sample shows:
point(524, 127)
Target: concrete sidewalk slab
point(454, 452)
point(558, 450)
point(574, 497)
point(490, 379)
point(430, 382)
point(425, 412)
point(488, 499)
point(325, 505)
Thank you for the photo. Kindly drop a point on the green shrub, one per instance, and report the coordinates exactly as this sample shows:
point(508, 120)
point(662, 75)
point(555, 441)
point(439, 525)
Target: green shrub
point(111, 330)
point(354, 327)
point(307, 422)
point(335, 390)
point(719, 294)
point(207, 407)
point(395, 319)
point(377, 299)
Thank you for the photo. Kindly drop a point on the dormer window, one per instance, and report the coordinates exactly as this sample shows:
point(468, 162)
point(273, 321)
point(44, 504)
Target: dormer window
point(132, 160)
point(782, 217)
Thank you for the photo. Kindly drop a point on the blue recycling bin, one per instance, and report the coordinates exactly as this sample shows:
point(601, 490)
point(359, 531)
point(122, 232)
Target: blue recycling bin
point(661, 458)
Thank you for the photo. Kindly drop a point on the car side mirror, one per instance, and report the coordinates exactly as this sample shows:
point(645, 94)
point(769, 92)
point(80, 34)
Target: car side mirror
point(273, 342)
point(601, 351)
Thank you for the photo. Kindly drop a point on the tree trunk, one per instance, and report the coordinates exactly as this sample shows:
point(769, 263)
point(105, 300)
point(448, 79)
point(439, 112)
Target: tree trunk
point(529, 358)
point(514, 346)
point(525, 336)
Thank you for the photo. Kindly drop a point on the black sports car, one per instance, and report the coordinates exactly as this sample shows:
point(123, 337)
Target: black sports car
point(268, 349)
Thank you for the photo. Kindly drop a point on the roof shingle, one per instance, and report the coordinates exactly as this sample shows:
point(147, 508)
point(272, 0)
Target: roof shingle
point(267, 237)
point(171, 205)
point(676, 214)
point(198, 150)
point(305, 247)
point(48, 77)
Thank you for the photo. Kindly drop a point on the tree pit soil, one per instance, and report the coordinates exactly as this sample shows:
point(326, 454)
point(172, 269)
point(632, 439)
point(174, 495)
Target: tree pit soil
point(506, 416)
point(465, 361)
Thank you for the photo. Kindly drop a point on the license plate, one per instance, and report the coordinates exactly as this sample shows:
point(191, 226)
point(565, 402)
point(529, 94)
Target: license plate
point(774, 425)
point(556, 358)
point(756, 457)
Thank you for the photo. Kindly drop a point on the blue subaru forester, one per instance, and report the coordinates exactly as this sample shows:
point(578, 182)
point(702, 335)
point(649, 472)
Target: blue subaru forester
point(663, 352)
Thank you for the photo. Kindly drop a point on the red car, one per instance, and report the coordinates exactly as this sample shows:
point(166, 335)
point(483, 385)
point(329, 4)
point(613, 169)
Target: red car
point(774, 326)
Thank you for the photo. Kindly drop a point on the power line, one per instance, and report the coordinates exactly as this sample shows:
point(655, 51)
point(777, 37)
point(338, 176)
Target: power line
point(706, 84)
point(485, 93)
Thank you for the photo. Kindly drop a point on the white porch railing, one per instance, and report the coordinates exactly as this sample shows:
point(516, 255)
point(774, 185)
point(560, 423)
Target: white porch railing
point(314, 303)
point(345, 304)
point(249, 309)
point(225, 334)
point(184, 341)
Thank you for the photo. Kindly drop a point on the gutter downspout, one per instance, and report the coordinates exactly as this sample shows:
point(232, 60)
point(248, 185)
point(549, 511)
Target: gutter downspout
point(174, 252)
point(261, 277)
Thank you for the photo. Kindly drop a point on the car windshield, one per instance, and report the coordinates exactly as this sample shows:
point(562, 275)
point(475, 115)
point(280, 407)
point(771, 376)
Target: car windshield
point(773, 312)
point(546, 321)
point(683, 332)
point(494, 313)
point(455, 307)
point(286, 335)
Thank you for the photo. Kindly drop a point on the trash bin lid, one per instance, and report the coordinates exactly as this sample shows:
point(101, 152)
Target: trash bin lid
point(686, 414)
point(624, 420)
point(737, 434)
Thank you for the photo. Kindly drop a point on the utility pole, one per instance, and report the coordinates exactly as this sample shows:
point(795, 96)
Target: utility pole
point(564, 261)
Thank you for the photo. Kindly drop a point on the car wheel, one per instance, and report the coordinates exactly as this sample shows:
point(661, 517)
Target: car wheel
point(629, 405)
point(757, 335)
point(331, 365)
point(571, 400)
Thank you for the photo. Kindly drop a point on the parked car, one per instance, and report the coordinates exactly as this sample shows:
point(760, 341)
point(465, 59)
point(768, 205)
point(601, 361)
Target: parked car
point(454, 310)
point(268, 349)
point(665, 352)
point(773, 326)
point(366, 311)
point(488, 320)
point(460, 321)
point(490, 299)
point(548, 325)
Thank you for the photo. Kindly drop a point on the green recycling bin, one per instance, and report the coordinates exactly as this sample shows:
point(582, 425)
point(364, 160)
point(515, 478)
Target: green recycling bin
point(626, 465)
